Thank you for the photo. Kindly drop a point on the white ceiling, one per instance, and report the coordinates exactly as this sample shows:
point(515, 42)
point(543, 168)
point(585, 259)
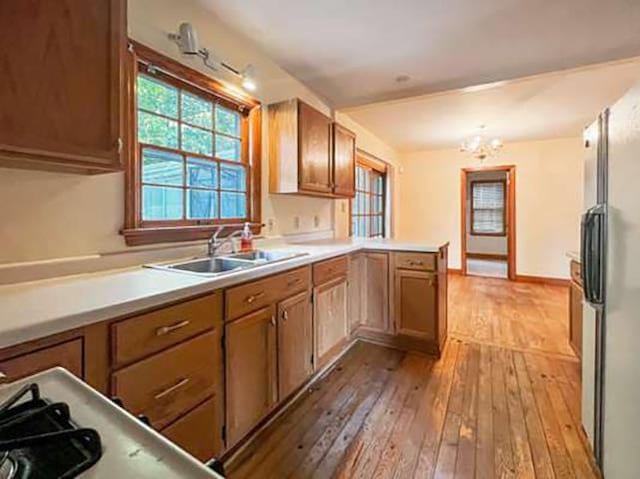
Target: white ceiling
point(351, 51)
point(551, 105)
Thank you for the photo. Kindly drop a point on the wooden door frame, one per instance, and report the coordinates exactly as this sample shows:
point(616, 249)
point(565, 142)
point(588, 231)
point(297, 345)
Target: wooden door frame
point(510, 215)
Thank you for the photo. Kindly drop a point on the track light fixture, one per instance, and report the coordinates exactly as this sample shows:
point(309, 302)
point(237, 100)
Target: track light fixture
point(187, 41)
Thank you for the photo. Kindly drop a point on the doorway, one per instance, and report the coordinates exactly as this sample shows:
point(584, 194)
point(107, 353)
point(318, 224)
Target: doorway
point(488, 214)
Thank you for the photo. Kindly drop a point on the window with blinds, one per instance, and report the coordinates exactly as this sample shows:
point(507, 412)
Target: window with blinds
point(488, 208)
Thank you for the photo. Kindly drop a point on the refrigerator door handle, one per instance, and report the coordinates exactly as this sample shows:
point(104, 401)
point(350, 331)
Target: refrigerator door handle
point(591, 255)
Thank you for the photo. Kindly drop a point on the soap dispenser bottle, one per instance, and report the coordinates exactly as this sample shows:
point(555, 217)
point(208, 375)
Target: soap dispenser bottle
point(246, 240)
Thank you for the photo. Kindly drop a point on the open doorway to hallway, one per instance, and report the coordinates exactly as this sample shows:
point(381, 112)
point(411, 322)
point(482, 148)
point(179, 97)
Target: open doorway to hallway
point(488, 221)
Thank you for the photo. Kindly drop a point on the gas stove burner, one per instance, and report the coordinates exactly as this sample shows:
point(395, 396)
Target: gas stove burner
point(8, 467)
point(39, 440)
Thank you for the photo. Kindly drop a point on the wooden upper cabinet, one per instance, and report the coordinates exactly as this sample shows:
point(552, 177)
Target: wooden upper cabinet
point(308, 153)
point(295, 343)
point(344, 161)
point(62, 84)
point(314, 144)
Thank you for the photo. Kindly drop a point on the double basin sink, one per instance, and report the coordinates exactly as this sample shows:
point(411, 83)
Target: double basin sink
point(220, 265)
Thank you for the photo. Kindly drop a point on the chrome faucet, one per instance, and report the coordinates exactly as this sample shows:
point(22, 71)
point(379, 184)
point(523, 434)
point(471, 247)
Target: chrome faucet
point(215, 244)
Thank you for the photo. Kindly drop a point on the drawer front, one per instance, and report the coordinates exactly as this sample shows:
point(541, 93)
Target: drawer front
point(250, 297)
point(67, 355)
point(576, 273)
point(416, 261)
point(293, 282)
point(198, 432)
point(165, 386)
point(140, 336)
point(332, 268)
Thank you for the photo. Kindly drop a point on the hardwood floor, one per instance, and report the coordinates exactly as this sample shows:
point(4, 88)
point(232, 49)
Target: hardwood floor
point(526, 316)
point(482, 410)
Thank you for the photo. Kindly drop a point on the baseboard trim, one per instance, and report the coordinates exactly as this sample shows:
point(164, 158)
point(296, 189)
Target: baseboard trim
point(490, 256)
point(454, 270)
point(521, 278)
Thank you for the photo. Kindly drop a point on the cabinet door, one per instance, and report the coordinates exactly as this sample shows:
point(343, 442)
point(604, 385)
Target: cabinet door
point(314, 130)
point(250, 371)
point(62, 84)
point(575, 318)
point(416, 303)
point(295, 343)
point(376, 304)
point(330, 314)
point(344, 161)
point(356, 291)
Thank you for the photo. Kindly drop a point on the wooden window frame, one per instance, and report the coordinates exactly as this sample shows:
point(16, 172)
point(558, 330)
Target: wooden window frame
point(138, 231)
point(381, 168)
point(472, 231)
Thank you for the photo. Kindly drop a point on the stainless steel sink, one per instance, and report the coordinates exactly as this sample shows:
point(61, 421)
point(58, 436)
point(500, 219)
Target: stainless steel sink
point(265, 256)
point(221, 265)
point(207, 266)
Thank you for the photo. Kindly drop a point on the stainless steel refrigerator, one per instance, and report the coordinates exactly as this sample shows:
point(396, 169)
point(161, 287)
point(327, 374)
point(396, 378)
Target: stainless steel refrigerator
point(610, 253)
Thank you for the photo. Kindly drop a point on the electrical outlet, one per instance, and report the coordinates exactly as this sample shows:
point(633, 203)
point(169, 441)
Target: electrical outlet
point(316, 221)
point(343, 207)
point(270, 225)
point(296, 222)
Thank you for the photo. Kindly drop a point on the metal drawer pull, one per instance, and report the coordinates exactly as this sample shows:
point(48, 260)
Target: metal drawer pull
point(291, 282)
point(415, 263)
point(168, 329)
point(253, 297)
point(170, 389)
point(3, 378)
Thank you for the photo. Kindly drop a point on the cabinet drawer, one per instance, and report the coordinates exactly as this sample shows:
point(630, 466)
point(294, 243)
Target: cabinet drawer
point(67, 355)
point(256, 295)
point(329, 269)
point(199, 431)
point(417, 261)
point(165, 386)
point(140, 336)
point(576, 273)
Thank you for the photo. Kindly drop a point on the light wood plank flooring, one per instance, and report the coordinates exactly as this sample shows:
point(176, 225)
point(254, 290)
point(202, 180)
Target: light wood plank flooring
point(482, 410)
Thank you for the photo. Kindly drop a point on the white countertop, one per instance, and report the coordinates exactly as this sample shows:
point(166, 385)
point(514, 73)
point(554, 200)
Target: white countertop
point(129, 448)
point(38, 309)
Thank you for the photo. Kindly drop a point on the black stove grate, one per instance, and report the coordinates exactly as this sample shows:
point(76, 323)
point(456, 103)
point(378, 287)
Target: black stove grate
point(42, 439)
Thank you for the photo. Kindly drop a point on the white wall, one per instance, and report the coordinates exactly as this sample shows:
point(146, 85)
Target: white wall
point(548, 201)
point(483, 244)
point(51, 215)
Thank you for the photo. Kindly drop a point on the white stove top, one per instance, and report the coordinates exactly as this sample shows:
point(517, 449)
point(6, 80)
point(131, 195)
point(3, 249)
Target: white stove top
point(130, 449)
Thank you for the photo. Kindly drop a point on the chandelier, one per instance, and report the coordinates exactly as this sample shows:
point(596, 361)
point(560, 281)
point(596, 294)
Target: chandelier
point(480, 148)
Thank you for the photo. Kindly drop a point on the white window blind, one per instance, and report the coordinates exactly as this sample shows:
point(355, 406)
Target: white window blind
point(487, 207)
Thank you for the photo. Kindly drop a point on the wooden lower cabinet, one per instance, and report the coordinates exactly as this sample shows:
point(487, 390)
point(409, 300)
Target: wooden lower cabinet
point(251, 371)
point(575, 317)
point(330, 317)
point(376, 297)
point(357, 291)
point(295, 343)
point(67, 355)
point(199, 432)
point(416, 312)
point(167, 385)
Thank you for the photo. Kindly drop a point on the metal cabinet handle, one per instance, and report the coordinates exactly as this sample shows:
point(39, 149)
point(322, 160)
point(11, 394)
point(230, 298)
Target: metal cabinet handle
point(170, 389)
point(291, 282)
point(285, 315)
point(3, 378)
point(272, 321)
point(173, 327)
point(253, 297)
